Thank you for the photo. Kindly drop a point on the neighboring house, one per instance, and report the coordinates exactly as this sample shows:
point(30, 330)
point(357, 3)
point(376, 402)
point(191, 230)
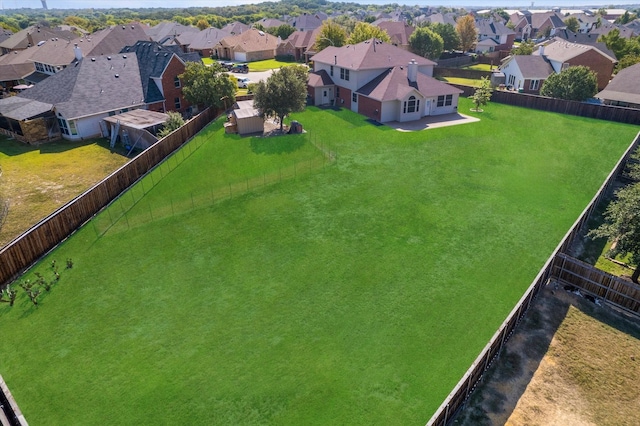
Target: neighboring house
point(46, 58)
point(589, 39)
point(586, 22)
point(4, 34)
point(604, 29)
point(270, 23)
point(235, 28)
point(526, 73)
point(493, 36)
point(165, 32)
point(624, 89)
point(31, 36)
point(398, 31)
point(530, 25)
point(202, 42)
point(439, 18)
point(93, 88)
point(308, 22)
point(299, 45)
point(562, 54)
point(380, 81)
point(159, 68)
point(251, 45)
point(111, 40)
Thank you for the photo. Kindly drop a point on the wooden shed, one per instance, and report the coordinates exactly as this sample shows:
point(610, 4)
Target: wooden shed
point(247, 119)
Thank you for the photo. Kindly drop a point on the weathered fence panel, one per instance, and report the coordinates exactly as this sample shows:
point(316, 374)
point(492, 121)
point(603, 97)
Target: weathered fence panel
point(615, 291)
point(27, 248)
point(458, 396)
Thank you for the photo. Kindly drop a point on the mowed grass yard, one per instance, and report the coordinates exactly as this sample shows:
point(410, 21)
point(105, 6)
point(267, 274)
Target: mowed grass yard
point(356, 293)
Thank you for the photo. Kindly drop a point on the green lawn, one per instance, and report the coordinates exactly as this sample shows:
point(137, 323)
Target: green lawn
point(355, 291)
point(480, 67)
point(269, 64)
point(462, 81)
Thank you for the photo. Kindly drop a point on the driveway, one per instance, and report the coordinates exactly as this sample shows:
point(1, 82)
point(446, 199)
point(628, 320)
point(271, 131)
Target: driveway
point(254, 76)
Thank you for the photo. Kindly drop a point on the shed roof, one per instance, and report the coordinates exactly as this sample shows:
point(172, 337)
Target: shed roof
point(19, 108)
point(138, 118)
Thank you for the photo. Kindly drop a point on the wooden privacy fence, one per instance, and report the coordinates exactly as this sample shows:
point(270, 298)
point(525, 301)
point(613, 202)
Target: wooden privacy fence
point(612, 290)
point(582, 109)
point(461, 392)
point(10, 414)
point(49, 232)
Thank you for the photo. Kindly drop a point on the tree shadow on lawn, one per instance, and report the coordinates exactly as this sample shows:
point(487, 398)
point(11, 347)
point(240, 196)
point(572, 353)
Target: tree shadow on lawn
point(282, 144)
point(505, 382)
point(353, 119)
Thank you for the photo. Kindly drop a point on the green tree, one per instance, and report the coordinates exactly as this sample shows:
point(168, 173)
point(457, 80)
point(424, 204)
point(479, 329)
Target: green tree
point(614, 42)
point(524, 48)
point(627, 61)
point(622, 225)
point(364, 31)
point(284, 92)
point(626, 18)
point(202, 24)
point(426, 43)
point(283, 31)
point(482, 95)
point(466, 29)
point(450, 38)
point(572, 24)
point(174, 122)
point(330, 34)
point(207, 85)
point(574, 84)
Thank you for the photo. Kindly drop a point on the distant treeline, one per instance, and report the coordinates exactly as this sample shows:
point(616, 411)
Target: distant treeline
point(95, 19)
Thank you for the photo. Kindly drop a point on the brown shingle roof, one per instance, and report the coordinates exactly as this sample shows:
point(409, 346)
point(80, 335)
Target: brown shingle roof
point(398, 31)
point(624, 87)
point(394, 84)
point(531, 66)
point(319, 79)
point(250, 41)
point(370, 54)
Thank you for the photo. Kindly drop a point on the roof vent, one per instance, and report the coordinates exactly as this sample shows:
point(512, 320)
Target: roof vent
point(124, 28)
point(93, 59)
point(166, 54)
point(124, 56)
point(117, 75)
point(108, 58)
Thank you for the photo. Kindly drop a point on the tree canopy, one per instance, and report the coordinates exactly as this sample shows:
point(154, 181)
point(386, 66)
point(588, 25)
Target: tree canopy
point(574, 84)
point(622, 225)
point(466, 29)
point(426, 43)
point(524, 48)
point(174, 122)
point(283, 31)
point(284, 92)
point(364, 31)
point(208, 85)
point(330, 34)
point(482, 95)
point(450, 38)
point(572, 24)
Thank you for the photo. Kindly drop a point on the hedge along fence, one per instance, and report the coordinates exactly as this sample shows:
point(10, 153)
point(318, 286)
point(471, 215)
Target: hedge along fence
point(461, 392)
point(27, 248)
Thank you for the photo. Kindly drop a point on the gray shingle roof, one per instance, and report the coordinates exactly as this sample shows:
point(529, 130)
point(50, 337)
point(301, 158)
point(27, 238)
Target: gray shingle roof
point(206, 39)
point(19, 108)
point(168, 29)
point(531, 66)
point(92, 86)
point(624, 87)
point(111, 40)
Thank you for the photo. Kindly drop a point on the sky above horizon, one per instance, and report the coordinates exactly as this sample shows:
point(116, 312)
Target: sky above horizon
point(102, 4)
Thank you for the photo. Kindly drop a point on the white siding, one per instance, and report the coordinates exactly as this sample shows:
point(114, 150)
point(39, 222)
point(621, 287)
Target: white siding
point(389, 111)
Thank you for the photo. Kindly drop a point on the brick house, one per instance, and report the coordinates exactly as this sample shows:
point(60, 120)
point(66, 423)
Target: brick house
point(251, 45)
point(398, 31)
point(299, 45)
point(562, 54)
point(624, 89)
point(493, 36)
point(380, 81)
point(159, 68)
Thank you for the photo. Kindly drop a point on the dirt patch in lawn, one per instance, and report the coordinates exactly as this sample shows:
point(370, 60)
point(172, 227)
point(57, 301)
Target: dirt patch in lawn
point(569, 362)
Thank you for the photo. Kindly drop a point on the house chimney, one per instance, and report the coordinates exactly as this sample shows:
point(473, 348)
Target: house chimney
point(541, 50)
point(77, 52)
point(412, 71)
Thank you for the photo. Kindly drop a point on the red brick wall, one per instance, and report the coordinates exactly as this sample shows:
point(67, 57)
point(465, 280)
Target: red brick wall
point(345, 94)
point(597, 63)
point(157, 107)
point(369, 107)
point(171, 92)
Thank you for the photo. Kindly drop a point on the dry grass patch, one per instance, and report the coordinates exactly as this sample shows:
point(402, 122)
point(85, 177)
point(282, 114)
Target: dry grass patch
point(39, 179)
point(570, 362)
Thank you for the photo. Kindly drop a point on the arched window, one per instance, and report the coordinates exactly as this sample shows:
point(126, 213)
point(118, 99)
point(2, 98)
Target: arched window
point(411, 105)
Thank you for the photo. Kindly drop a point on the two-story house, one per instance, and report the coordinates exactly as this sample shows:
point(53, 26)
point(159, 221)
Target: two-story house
point(493, 36)
point(380, 81)
point(526, 73)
